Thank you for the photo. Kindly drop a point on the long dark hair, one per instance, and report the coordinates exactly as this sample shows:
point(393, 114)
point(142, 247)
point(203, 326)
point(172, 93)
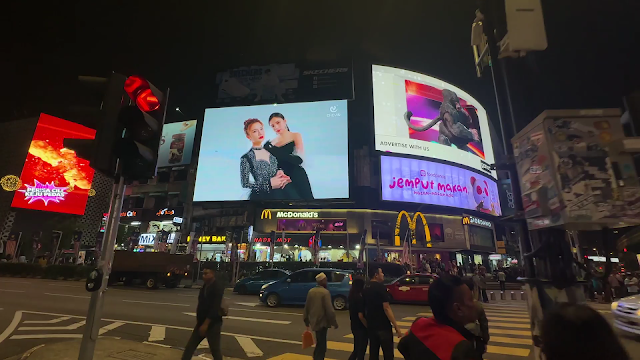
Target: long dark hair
point(277, 115)
point(356, 288)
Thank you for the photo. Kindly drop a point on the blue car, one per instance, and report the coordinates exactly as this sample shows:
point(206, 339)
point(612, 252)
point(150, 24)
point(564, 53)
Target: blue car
point(252, 284)
point(293, 289)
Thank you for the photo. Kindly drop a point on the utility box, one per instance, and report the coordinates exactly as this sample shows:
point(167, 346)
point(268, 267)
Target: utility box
point(572, 172)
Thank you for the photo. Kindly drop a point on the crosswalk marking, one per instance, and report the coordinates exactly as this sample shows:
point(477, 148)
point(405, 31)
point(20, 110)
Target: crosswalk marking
point(489, 317)
point(291, 356)
point(203, 344)
point(508, 340)
point(250, 348)
point(53, 321)
point(503, 350)
point(109, 327)
point(509, 332)
point(342, 346)
point(268, 312)
point(157, 333)
point(507, 319)
point(66, 295)
point(509, 325)
point(69, 327)
point(249, 319)
point(155, 303)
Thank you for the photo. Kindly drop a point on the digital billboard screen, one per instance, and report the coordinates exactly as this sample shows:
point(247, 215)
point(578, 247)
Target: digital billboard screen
point(176, 143)
point(416, 114)
point(428, 182)
point(293, 151)
point(54, 178)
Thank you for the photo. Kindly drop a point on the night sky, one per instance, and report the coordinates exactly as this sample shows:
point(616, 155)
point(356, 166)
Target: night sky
point(591, 60)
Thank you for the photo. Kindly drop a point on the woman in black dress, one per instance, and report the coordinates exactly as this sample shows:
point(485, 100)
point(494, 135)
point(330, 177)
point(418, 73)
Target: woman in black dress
point(288, 148)
point(269, 183)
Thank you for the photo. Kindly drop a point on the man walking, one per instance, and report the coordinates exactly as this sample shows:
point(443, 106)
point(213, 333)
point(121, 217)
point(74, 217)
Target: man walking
point(502, 279)
point(379, 317)
point(208, 315)
point(319, 315)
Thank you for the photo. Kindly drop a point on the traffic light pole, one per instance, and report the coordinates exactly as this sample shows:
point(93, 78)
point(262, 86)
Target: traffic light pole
point(91, 330)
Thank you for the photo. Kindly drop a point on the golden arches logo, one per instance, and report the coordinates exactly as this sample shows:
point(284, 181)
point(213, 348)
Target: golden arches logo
point(412, 226)
point(466, 220)
point(266, 214)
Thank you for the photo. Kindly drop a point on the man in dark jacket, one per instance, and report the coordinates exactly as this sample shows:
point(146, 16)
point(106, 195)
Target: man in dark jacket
point(443, 336)
point(208, 315)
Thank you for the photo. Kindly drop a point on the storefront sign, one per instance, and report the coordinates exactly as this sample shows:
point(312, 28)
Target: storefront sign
point(212, 239)
point(147, 239)
point(471, 220)
point(130, 213)
point(412, 226)
point(165, 211)
point(495, 257)
point(266, 214)
point(603, 259)
point(268, 240)
point(177, 220)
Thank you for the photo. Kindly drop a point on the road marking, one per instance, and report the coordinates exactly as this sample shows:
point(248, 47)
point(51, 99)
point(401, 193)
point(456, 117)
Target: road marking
point(110, 327)
point(249, 319)
point(72, 286)
point(154, 303)
point(507, 350)
point(249, 346)
point(65, 295)
point(342, 346)
point(152, 343)
point(524, 319)
point(30, 351)
point(186, 295)
point(60, 319)
point(203, 344)
point(508, 340)
point(494, 318)
point(248, 304)
point(510, 325)
point(267, 311)
point(47, 336)
point(16, 291)
point(69, 327)
point(157, 333)
point(510, 332)
point(12, 326)
point(292, 356)
point(15, 282)
point(285, 341)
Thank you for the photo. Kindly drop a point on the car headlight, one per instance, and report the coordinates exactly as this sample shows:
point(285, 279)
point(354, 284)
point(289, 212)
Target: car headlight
point(264, 286)
point(614, 305)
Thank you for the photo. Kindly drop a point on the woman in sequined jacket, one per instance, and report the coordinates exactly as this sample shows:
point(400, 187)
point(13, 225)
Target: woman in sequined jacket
point(269, 182)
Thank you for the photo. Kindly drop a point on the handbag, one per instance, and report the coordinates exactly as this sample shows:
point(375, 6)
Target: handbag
point(307, 339)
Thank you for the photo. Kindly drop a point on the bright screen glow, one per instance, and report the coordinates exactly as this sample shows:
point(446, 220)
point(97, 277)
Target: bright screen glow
point(407, 103)
point(428, 182)
point(53, 178)
point(307, 152)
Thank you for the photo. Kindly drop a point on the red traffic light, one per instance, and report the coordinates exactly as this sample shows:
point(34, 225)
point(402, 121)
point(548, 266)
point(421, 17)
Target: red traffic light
point(625, 249)
point(139, 91)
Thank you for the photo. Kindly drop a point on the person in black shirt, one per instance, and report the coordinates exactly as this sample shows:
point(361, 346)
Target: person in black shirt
point(208, 316)
point(358, 322)
point(379, 317)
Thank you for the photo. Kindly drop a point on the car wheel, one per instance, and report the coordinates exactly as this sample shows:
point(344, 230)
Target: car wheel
point(242, 290)
point(273, 300)
point(151, 283)
point(339, 303)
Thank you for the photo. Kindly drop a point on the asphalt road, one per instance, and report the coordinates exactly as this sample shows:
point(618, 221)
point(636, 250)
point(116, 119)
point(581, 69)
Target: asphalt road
point(33, 312)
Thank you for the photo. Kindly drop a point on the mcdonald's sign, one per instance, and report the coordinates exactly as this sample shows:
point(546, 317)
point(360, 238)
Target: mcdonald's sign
point(466, 221)
point(266, 214)
point(412, 226)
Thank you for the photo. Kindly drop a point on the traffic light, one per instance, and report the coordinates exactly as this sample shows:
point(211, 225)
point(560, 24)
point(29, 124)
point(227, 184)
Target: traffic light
point(142, 129)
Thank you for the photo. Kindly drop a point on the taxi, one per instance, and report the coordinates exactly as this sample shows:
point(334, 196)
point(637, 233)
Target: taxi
point(411, 288)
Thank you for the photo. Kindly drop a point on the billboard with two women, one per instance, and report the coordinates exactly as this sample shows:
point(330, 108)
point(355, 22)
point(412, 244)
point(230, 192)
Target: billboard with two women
point(295, 151)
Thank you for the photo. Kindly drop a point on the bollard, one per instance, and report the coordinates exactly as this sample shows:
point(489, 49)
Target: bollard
point(523, 296)
point(493, 296)
point(513, 296)
point(502, 295)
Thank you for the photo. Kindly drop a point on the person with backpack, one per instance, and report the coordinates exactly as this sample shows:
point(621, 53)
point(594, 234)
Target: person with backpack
point(211, 308)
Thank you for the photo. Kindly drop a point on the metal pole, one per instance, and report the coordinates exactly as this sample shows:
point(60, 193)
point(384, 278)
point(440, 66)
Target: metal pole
point(348, 249)
point(90, 335)
point(55, 254)
point(15, 250)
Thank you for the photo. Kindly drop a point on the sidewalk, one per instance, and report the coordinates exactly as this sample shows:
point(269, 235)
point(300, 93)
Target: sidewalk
point(106, 348)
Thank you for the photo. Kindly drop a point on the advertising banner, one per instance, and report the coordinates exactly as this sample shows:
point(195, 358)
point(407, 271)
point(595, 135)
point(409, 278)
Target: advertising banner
point(266, 152)
point(53, 178)
point(176, 144)
point(285, 83)
point(427, 182)
point(416, 114)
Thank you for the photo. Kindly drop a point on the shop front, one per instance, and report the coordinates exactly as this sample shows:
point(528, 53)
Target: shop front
point(211, 247)
point(481, 243)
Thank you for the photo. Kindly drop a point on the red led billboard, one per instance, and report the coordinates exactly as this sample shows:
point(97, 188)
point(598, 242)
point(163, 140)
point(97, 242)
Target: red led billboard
point(53, 178)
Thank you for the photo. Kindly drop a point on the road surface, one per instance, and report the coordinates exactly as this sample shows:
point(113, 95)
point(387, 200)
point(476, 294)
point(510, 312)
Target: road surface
point(34, 311)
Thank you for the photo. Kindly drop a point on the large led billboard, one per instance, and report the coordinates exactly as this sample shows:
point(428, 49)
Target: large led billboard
point(54, 178)
point(293, 151)
point(416, 114)
point(176, 144)
point(428, 182)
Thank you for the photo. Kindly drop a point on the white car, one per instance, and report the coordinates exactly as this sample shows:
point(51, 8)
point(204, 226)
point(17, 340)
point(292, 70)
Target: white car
point(626, 314)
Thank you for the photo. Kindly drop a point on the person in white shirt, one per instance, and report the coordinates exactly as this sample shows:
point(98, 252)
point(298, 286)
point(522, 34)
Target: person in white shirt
point(502, 279)
point(631, 282)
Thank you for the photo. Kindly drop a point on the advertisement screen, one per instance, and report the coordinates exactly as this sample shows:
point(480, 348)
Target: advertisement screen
point(416, 114)
point(293, 151)
point(53, 178)
point(427, 182)
point(176, 144)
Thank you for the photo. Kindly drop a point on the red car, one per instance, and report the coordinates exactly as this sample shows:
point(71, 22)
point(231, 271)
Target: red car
point(411, 288)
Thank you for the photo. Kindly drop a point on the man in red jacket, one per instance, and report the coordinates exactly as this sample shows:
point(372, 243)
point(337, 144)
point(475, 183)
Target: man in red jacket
point(443, 336)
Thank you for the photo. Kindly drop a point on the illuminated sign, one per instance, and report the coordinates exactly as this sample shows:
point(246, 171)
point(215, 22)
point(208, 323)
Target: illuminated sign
point(147, 239)
point(266, 214)
point(268, 240)
point(412, 225)
point(165, 211)
point(213, 239)
point(471, 220)
point(296, 214)
point(54, 178)
point(177, 220)
point(128, 214)
point(603, 259)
